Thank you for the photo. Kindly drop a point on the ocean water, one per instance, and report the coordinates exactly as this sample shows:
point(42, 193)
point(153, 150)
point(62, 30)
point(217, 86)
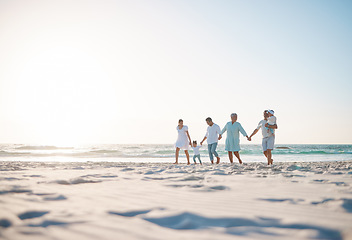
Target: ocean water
point(166, 153)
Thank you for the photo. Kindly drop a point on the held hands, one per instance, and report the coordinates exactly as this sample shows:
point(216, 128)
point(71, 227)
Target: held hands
point(249, 138)
point(201, 143)
point(219, 137)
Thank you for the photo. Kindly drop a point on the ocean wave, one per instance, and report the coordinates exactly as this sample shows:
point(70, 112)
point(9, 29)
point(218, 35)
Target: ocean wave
point(7, 153)
point(161, 151)
point(312, 152)
point(28, 147)
point(316, 152)
point(102, 151)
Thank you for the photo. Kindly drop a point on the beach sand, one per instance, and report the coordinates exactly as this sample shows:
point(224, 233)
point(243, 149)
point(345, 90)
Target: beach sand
point(165, 201)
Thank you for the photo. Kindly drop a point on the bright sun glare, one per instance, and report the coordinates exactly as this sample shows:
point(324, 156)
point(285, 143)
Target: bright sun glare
point(61, 96)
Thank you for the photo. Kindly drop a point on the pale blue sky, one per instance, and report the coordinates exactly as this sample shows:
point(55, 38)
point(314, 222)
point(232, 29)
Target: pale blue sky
point(77, 72)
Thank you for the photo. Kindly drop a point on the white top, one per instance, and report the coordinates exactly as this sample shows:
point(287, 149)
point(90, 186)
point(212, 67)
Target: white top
point(212, 133)
point(196, 150)
point(272, 120)
point(265, 132)
point(182, 139)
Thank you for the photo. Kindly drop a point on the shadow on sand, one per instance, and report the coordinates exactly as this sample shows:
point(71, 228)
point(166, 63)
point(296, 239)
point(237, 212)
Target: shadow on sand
point(233, 226)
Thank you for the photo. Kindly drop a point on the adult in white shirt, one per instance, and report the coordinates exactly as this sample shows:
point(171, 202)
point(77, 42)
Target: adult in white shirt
point(182, 140)
point(268, 136)
point(212, 135)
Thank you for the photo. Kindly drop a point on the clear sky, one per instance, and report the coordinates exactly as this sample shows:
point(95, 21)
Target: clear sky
point(77, 72)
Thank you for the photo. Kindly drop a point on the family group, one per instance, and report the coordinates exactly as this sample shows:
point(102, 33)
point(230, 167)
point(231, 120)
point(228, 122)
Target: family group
point(232, 144)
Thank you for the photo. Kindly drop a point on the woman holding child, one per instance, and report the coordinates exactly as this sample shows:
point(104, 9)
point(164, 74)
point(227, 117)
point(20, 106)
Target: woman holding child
point(183, 140)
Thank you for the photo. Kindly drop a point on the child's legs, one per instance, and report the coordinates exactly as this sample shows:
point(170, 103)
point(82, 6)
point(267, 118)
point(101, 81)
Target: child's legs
point(270, 129)
point(194, 158)
point(197, 156)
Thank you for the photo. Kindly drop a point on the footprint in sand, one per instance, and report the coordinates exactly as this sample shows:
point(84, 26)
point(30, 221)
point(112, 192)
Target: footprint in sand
point(290, 200)
point(346, 203)
point(11, 179)
point(217, 188)
point(157, 178)
point(55, 198)
point(192, 178)
point(130, 214)
point(32, 214)
point(238, 226)
point(5, 223)
point(100, 176)
point(134, 213)
point(48, 223)
point(15, 190)
point(127, 169)
point(339, 183)
point(75, 181)
point(320, 180)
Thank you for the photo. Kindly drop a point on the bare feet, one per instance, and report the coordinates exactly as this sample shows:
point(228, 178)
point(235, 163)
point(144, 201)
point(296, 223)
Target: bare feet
point(175, 162)
point(212, 162)
point(188, 163)
point(270, 162)
point(240, 161)
point(217, 160)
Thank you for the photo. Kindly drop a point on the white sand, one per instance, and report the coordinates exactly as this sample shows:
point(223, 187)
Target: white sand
point(164, 201)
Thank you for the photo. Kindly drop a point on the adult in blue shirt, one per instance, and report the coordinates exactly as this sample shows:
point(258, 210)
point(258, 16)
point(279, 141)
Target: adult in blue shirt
point(232, 144)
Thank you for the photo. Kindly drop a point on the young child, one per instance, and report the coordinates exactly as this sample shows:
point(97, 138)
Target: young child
point(271, 121)
point(196, 152)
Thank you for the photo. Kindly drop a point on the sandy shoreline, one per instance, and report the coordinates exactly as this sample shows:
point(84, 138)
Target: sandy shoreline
point(162, 201)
